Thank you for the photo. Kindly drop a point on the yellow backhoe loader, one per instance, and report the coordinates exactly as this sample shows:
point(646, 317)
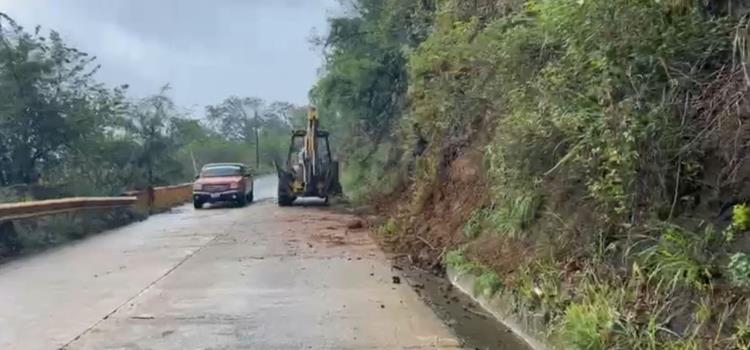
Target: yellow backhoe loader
point(309, 170)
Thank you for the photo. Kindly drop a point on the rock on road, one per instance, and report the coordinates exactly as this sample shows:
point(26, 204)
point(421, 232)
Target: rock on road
point(259, 277)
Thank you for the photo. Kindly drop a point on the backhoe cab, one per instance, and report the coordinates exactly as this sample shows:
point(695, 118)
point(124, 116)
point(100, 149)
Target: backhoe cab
point(309, 169)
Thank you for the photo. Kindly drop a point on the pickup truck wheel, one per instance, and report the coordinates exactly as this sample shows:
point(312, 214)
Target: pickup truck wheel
point(250, 197)
point(197, 204)
point(241, 201)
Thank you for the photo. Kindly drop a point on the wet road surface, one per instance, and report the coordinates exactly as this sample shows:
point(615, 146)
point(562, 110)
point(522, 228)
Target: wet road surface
point(259, 277)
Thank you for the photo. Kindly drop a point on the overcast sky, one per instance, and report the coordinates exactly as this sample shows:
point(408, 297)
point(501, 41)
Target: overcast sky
point(207, 50)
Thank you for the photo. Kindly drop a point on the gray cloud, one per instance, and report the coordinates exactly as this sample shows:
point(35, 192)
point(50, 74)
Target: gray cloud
point(206, 50)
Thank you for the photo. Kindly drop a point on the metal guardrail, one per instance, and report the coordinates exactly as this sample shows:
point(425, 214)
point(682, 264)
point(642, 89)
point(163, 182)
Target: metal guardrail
point(12, 211)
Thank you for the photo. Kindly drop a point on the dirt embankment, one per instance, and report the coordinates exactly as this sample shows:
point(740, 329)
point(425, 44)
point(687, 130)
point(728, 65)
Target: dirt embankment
point(424, 232)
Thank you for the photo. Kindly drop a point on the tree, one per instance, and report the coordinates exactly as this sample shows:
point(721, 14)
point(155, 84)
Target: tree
point(239, 120)
point(363, 89)
point(245, 119)
point(48, 100)
point(235, 118)
point(149, 122)
point(279, 111)
point(60, 128)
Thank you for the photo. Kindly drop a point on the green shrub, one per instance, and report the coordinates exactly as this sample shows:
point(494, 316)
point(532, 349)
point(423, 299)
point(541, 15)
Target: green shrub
point(361, 179)
point(740, 221)
point(741, 217)
point(739, 269)
point(487, 283)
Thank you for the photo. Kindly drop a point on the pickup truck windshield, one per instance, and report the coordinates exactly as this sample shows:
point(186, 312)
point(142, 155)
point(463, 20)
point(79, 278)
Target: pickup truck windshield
point(221, 171)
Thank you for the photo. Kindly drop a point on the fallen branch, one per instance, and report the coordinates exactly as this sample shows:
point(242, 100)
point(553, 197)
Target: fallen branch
point(427, 243)
point(564, 159)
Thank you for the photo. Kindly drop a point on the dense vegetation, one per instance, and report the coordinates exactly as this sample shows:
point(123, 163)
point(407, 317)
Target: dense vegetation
point(611, 142)
point(63, 133)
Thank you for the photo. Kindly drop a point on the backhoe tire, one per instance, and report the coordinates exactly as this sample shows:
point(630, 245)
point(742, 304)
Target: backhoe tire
point(285, 201)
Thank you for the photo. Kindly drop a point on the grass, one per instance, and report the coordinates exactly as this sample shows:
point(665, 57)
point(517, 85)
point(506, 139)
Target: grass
point(513, 217)
point(741, 336)
point(457, 260)
point(389, 228)
point(473, 227)
point(588, 325)
point(676, 257)
point(487, 282)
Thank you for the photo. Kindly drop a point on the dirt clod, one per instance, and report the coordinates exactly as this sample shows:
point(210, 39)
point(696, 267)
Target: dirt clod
point(396, 280)
point(355, 224)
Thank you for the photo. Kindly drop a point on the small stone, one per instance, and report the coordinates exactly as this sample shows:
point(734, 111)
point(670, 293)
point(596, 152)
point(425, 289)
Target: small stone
point(396, 280)
point(382, 306)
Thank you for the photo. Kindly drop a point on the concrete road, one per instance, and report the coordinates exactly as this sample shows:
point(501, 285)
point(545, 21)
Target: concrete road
point(259, 277)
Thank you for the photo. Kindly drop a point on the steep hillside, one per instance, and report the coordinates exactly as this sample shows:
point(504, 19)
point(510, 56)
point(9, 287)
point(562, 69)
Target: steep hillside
point(587, 157)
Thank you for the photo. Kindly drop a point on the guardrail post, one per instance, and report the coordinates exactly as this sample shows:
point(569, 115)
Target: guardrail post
point(151, 199)
point(9, 242)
